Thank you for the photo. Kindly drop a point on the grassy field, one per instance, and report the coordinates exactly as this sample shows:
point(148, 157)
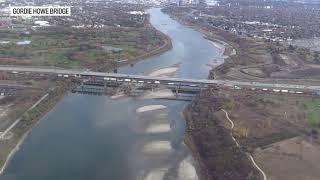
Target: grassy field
point(74, 48)
point(312, 109)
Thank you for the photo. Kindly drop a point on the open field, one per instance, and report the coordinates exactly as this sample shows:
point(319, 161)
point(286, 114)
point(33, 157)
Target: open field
point(99, 36)
point(73, 48)
point(274, 128)
point(295, 159)
point(312, 110)
point(269, 118)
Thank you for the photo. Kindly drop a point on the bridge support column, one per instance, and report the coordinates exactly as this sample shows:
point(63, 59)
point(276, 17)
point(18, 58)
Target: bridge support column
point(177, 90)
point(81, 86)
point(105, 87)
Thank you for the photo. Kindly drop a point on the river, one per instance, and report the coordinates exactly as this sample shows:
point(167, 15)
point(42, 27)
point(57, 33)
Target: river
point(99, 137)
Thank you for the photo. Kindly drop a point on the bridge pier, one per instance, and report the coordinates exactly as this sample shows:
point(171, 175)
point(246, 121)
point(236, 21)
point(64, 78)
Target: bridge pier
point(81, 85)
point(177, 90)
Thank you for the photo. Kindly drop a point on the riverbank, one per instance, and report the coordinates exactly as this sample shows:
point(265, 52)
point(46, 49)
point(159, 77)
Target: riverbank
point(260, 129)
point(273, 128)
point(28, 120)
point(79, 48)
point(212, 146)
point(249, 58)
point(31, 119)
point(166, 46)
point(227, 47)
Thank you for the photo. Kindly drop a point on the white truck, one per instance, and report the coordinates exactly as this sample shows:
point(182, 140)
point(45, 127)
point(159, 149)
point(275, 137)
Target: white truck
point(237, 87)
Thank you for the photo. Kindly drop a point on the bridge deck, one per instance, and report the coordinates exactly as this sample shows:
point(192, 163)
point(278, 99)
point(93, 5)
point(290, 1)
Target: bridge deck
point(83, 74)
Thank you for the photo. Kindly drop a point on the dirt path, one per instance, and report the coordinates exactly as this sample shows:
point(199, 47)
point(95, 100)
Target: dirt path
point(19, 119)
point(251, 158)
point(16, 148)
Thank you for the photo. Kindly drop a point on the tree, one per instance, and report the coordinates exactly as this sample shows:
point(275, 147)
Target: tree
point(240, 132)
point(291, 48)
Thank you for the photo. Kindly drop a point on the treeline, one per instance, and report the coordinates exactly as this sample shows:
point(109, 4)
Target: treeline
point(219, 158)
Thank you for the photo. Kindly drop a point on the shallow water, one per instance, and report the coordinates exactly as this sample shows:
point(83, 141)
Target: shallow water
point(98, 137)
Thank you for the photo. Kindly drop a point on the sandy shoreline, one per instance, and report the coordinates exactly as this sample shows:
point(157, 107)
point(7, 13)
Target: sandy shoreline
point(157, 147)
point(225, 49)
point(162, 93)
point(161, 146)
point(155, 52)
point(150, 108)
point(12, 152)
point(118, 95)
point(158, 128)
point(164, 72)
point(186, 170)
point(217, 45)
point(163, 48)
point(217, 41)
point(156, 174)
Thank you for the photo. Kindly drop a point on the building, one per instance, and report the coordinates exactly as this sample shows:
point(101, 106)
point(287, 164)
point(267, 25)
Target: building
point(42, 23)
point(5, 20)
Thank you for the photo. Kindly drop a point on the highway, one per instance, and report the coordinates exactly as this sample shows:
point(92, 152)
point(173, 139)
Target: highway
point(149, 79)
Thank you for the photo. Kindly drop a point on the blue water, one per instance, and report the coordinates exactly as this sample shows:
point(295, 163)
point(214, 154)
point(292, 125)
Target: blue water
point(95, 137)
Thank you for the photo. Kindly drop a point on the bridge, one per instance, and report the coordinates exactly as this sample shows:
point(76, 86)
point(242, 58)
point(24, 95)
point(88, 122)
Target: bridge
point(142, 79)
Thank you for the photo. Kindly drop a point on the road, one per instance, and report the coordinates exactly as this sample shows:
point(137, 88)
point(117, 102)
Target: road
point(2, 136)
point(83, 73)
